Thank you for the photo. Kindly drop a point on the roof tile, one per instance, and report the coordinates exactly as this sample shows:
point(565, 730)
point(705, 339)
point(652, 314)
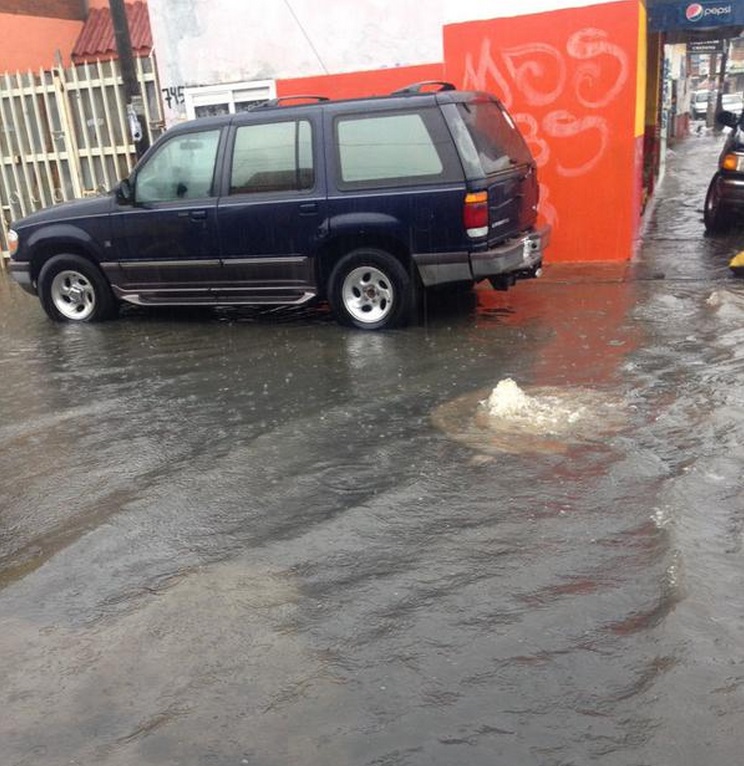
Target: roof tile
point(97, 40)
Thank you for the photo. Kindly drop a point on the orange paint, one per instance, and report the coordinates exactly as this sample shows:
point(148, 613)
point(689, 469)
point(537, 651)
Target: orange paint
point(375, 82)
point(31, 42)
point(570, 78)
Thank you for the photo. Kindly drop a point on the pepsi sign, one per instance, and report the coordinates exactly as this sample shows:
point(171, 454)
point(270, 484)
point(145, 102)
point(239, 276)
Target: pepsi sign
point(710, 15)
point(665, 15)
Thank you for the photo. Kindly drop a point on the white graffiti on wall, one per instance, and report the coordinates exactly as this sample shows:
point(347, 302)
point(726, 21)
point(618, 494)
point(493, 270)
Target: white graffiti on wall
point(589, 44)
point(589, 74)
point(562, 124)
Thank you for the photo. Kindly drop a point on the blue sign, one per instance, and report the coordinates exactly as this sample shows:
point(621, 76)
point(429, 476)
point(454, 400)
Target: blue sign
point(663, 16)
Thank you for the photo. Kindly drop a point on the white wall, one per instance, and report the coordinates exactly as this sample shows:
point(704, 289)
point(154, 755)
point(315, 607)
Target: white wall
point(471, 10)
point(203, 42)
point(206, 41)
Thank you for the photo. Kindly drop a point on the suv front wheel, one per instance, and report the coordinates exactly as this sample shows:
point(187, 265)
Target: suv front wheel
point(714, 219)
point(369, 289)
point(71, 288)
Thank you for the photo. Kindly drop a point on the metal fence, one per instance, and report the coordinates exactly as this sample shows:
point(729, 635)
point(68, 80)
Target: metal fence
point(64, 134)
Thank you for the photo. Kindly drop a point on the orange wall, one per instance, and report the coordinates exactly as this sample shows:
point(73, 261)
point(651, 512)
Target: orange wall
point(375, 82)
point(30, 42)
point(569, 78)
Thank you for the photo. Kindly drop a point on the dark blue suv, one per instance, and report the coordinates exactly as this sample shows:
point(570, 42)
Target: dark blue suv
point(362, 203)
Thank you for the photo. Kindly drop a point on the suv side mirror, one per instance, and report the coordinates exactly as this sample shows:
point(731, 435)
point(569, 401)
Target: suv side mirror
point(728, 119)
point(125, 192)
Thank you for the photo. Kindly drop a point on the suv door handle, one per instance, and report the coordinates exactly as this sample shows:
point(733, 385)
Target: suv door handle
point(308, 208)
point(194, 215)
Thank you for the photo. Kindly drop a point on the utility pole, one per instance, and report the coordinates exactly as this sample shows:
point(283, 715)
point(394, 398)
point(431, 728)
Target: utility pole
point(133, 95)
point(720, 82)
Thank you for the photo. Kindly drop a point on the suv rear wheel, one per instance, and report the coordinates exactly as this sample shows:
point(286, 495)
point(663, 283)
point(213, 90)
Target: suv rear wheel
point(71, 288)
point(371, 290)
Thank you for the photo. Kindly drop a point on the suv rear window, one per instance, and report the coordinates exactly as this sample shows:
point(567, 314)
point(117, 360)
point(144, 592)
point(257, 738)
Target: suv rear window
point(496, 142)
point(385, 149)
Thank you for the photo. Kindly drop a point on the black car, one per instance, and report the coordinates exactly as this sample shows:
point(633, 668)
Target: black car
point(724, 200)
point(358, 202)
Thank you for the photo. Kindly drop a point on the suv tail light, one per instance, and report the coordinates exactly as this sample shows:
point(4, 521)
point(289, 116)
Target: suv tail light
point(475, 214)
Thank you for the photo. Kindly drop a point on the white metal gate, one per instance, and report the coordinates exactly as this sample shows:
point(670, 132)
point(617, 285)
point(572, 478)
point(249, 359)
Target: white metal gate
point(64, 134)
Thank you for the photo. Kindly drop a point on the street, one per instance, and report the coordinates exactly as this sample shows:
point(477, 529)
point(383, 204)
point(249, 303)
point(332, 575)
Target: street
point(256, 537)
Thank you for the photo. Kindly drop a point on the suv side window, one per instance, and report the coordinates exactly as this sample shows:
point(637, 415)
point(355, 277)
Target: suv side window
point(183, 168)
point(273, 157)
point(386, 149)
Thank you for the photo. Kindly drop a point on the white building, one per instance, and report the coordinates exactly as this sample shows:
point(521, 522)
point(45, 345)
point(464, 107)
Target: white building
point(248, 44)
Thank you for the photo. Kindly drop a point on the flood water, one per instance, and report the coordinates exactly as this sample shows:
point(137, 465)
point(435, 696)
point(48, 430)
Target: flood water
point(259, 538)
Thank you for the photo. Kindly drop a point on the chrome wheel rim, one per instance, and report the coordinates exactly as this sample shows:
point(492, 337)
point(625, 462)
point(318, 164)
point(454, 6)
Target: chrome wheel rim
point(368, 294)
point(73, 294)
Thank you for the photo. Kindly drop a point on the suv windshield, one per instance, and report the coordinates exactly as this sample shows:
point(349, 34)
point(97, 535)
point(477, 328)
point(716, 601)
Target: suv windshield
point(496, 141)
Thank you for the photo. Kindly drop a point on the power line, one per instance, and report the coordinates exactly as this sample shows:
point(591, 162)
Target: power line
point(307, 37)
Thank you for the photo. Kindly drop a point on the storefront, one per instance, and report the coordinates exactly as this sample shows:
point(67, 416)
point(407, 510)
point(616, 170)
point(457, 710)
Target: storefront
point(681, 34)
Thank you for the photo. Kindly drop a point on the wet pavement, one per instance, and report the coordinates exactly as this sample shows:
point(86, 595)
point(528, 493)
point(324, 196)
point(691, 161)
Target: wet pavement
point(259, 538)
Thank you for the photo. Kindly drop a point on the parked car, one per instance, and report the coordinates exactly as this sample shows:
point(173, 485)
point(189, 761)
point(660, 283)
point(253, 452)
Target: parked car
point(360, 202)
point(732, 102)
point(724, 200)
point(699, 104)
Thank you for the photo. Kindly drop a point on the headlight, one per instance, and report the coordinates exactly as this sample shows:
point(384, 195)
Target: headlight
point(12, 242)
point(733, 162)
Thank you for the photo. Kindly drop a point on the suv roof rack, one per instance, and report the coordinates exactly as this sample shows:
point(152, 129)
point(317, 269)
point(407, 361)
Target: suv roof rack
point(281, 99)
point(418, 87)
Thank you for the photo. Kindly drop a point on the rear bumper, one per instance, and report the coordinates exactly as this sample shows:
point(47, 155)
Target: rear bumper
point(21, 273)
point(519, 257)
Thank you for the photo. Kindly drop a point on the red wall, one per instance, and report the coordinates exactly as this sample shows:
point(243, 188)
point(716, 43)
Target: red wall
point(30, 42)
point(569, 79)
point(375, 82)
point(31, 33)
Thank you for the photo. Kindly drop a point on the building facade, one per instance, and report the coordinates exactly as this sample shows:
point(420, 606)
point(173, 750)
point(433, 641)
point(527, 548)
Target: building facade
point(593, 84)
point(571, 73)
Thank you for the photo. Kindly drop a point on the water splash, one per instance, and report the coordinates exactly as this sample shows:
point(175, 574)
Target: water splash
point(545, 419)
point(546, 413)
